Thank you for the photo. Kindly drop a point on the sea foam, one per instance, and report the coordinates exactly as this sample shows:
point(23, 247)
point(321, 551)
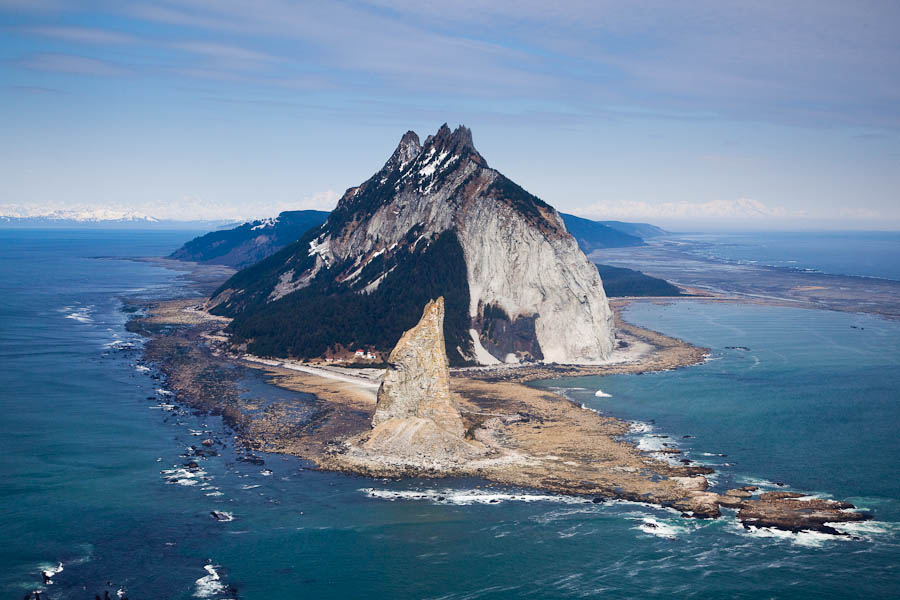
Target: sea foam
point(209, 585)
point(469, 497)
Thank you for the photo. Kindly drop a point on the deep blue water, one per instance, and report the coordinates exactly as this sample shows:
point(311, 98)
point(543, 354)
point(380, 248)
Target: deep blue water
point(90, 465)
point(863, 253)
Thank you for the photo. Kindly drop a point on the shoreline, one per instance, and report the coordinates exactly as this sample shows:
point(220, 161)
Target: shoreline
point(721, 280)
point(531, 437)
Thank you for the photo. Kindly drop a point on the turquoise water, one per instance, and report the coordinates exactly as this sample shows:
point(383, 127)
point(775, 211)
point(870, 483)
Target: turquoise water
point(90, 465)
point(861, 253)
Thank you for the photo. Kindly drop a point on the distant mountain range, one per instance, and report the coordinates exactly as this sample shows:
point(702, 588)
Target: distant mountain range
point(17, 217)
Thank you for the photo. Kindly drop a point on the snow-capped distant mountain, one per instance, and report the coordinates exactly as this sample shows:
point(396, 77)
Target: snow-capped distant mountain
point(12, 212)
point(12, 215)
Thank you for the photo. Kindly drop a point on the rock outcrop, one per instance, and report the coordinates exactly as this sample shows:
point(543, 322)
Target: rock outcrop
point(417, 382)
point(417, 424)
point(436, 220)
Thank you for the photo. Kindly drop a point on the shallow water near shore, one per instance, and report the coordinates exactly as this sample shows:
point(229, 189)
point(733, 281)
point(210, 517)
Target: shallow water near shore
point(94, 465)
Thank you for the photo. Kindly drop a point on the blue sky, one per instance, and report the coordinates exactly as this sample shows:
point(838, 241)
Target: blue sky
point(739, 114)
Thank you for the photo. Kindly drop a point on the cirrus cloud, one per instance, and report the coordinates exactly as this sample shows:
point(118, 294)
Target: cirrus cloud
point(741, 208)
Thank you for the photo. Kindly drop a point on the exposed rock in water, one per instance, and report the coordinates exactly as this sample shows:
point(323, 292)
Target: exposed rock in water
point(795, 512)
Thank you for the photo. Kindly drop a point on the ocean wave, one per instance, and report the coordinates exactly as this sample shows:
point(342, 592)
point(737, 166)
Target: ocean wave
point(639, 427)
point(649, 443)
point(661, 528)
point(81, 314)
point(120, 345)
point(184, 476)
point(469, 497)
point(50, 571)
point(222, 516)
point(763, 483)
point(210, 584)
point(866, 529)
point(141, 369)
point(602, 394)
point(808, 539)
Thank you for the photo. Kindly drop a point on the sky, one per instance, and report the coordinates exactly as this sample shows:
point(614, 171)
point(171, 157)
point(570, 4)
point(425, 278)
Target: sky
point(706, 113)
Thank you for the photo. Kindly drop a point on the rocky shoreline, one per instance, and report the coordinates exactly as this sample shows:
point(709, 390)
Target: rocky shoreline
point(532, 437)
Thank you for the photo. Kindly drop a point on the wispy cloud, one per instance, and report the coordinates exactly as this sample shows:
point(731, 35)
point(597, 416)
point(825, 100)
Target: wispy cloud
point(82, 35)
point(319, 201)
point(70, 63)
point(741, 208)
point(32, 89)
point(223, 51)
point(33, 6)
point(861, 213)
point(831, 63)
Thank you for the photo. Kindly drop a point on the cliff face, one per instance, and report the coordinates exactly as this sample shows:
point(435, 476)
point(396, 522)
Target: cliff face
point(530, 275)
point(529, 292)
point(417, 382)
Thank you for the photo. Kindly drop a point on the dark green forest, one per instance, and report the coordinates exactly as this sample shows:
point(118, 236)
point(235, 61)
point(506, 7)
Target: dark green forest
point(309, 322)
point(619, 281)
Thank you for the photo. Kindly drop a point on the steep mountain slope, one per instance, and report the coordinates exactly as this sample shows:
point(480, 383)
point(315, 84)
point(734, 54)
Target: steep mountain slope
point(642, 230)
point(434, 221)
point(593, 235)
point(251, 242)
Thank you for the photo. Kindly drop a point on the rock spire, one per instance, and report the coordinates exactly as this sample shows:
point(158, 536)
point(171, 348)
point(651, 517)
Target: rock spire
point(417, 382)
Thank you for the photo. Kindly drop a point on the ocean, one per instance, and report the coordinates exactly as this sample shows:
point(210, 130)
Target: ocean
point(93, 452)
point(860, 253)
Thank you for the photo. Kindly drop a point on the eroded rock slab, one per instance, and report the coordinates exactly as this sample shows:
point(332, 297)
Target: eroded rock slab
point(417, 382)
point(417, 424)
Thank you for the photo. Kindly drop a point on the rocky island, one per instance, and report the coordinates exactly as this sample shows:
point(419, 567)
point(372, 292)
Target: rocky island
point(466, 286)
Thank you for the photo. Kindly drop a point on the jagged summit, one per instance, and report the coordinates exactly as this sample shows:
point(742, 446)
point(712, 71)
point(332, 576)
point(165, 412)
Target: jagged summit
point(435, 220)
point(458, 140)
point(408, 148)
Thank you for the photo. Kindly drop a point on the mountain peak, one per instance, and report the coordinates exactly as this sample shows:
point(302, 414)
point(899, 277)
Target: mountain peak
point(459, 140)
point(435, 221)
point(408, 148)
